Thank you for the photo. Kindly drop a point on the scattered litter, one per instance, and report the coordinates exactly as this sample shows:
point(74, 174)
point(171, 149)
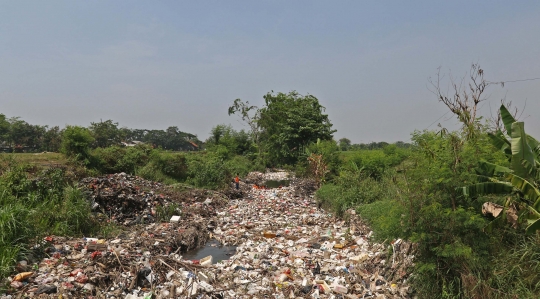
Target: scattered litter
point(285, 247)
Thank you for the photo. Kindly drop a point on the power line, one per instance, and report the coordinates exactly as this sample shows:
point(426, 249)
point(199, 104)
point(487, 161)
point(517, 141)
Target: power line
point(499, 82)
point(438, 119)
point(511, 81)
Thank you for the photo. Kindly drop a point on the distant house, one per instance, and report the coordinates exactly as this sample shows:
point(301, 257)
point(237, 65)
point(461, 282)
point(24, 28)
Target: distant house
point(5, 147)
point(132, 143)
point(195, 146)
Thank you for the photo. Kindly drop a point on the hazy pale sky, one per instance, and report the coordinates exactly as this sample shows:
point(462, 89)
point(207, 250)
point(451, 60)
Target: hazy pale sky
point(154, 64)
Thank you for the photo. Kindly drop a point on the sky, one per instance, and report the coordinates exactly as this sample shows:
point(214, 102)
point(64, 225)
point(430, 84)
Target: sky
point(155, 64)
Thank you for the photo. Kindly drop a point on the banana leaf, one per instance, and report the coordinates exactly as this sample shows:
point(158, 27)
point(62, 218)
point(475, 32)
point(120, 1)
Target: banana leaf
point(487, 188)
point(507, 119)
point(483, 178)
point(527, 189)
point(499, 141)
point(535, 146)
point(533, 220)
point(493, 223)
point(520, 150)
point(491, 169)
point(533, 170)
point(533, 226)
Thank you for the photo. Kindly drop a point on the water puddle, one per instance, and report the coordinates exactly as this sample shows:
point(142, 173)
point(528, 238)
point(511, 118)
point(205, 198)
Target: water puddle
point(277, 184)
point(213, 248)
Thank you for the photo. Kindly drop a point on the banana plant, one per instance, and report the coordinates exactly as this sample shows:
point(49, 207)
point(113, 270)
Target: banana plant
point(521, 180)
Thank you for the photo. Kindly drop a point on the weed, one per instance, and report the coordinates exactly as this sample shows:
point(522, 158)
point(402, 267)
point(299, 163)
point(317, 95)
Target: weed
point(164, 213)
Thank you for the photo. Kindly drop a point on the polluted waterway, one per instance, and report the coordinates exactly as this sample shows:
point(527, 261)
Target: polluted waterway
point(212, 247)
point(287, 247)
point(277, 183)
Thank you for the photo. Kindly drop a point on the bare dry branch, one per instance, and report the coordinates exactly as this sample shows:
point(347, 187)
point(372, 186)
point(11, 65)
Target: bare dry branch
point(463, 101)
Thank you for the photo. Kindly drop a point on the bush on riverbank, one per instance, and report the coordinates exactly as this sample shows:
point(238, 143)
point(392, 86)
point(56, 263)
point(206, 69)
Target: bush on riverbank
point(34, 207)
point(419, 200)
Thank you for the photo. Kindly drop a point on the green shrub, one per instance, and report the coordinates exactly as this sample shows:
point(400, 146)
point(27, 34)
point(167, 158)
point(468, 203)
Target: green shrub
point(173, 165)
point(352, 188)
point(76, 143)
point(385, 218)
point(33, 208)
point(241, 165)
point(375, 162)
point(116, 159)
point(207, 171)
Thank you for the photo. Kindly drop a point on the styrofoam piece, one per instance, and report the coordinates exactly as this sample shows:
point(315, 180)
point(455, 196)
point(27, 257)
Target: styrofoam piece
point(206, 261)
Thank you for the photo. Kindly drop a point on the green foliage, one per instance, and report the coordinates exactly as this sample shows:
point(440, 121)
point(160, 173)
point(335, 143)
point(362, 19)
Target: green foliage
point(344, 144)
point(289, 123)
point(52, 139)
point(413, 194)
point(377, 145)
point(31, 208)
point(116, 159)
point(329, 151)
point(207, 171)
point(521, 180)
point(106, 133)
point(375, 162)
point(517, 270)
point(227, 142)
point(251, 116)
point(4, 128)
point(352, 188)
point(173, 165)
point(384, 217)
point(170, 139)
point(76, 143)
point(164, 213)
point(142, 160)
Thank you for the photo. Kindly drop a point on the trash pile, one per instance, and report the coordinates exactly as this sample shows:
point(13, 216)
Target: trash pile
point(286, 248)
point(290, 249)
point(124, 198)
point(130, 200)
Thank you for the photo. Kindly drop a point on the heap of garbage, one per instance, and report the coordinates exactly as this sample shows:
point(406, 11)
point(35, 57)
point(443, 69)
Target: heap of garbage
point(130, 200)
point(286, 248)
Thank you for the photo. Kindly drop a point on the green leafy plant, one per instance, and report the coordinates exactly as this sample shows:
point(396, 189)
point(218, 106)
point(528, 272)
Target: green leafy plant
point(521, 180)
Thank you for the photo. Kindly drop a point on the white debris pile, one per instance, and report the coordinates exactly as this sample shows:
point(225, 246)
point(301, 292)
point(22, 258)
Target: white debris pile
point(289, 248)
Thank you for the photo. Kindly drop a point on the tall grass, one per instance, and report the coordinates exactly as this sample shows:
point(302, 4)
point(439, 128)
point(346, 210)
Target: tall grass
point(33, 207)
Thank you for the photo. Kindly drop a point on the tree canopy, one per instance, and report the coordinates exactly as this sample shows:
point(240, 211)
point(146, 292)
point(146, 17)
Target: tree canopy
point(290, 122)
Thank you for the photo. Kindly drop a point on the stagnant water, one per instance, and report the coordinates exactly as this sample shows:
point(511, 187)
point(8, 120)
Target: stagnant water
point(213, 248)
point(277, 184)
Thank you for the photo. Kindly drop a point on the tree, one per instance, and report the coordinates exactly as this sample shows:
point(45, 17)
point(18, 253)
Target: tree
point(52, 139)
point(250, 115)
point(106, 133)
point(216, 133)
point(290, 122)
point(76, 142)
point(344, 144)
point(225, 137)
point(4, 128)
point(177, 140)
